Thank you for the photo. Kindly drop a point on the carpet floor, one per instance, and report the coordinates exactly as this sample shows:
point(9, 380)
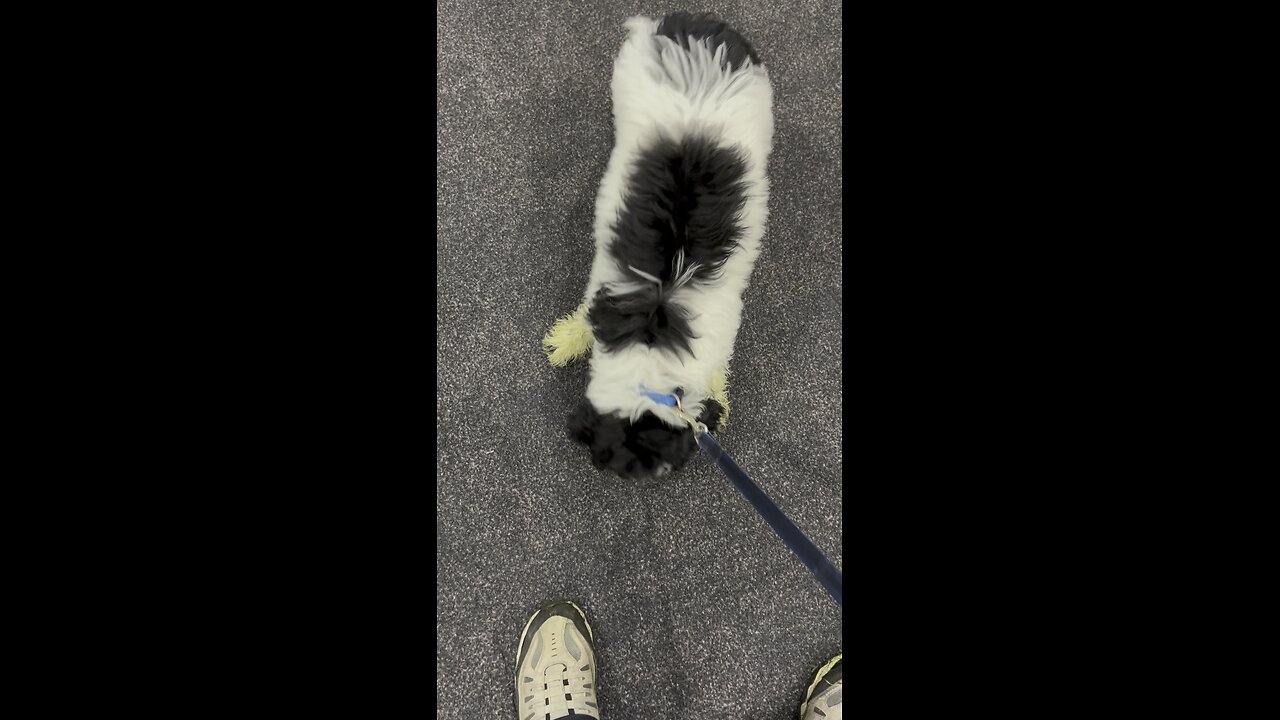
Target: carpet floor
point(698, 609)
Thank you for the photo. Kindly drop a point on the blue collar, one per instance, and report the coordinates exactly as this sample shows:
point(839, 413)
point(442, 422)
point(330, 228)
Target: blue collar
point(668, 399)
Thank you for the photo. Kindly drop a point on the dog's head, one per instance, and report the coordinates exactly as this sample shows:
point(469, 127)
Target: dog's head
point(645, 448)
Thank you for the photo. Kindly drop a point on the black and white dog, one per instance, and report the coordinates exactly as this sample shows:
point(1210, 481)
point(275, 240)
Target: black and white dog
point(678, 225)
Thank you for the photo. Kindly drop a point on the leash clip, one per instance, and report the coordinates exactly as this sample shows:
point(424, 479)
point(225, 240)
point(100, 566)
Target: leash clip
point(672, 400)
point(697, 427)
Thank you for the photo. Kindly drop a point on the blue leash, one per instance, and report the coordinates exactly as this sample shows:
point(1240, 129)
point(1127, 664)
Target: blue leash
point(828, 575)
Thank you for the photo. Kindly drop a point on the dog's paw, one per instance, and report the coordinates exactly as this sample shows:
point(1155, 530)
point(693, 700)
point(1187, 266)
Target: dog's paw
point(568, 339)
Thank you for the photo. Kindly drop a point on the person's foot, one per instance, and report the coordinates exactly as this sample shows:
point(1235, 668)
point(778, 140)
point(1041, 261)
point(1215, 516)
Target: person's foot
point(556, 665)
point(825, 698)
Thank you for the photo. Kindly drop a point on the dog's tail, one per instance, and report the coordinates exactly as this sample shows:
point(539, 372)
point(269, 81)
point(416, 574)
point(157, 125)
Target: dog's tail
point(641, 25)
point(692, 72)
point(688, 31)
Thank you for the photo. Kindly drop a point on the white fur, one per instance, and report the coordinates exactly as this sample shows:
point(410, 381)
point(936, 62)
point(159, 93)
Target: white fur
point(660, 89)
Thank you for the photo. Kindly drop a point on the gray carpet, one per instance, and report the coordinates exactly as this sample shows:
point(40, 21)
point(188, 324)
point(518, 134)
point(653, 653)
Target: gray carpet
point(697, 606)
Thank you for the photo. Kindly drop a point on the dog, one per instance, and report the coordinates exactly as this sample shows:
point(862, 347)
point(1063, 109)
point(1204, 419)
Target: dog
point(679, 220)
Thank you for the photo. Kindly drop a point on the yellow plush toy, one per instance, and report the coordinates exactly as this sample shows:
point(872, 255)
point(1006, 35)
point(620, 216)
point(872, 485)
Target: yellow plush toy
point(570, 338)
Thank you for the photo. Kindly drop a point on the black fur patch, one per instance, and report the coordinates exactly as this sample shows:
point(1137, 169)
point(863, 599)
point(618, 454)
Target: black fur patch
point(681, 26)
point(685, 196)
point(618, 320)
point(639, 449)
point(681, 194)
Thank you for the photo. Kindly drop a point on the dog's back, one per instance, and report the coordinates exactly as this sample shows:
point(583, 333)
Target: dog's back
point(681, 209)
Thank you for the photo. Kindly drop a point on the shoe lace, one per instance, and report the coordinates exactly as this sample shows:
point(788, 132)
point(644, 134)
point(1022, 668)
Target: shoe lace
point(561, 689)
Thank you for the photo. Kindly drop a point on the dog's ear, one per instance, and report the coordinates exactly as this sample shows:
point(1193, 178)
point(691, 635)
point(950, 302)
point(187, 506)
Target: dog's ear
point(608, 437)
point(712, 413)
point(582, 424)
point(669, 445)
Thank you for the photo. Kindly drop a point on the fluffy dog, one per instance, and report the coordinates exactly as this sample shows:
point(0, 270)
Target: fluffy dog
point(678, 225)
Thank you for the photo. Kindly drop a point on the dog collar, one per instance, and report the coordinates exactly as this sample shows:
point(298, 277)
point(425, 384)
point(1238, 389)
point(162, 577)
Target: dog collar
point(669, 399)
point(672, 400)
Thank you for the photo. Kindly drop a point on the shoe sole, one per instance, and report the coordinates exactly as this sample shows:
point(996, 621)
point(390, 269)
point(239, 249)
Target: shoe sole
point(822, 672)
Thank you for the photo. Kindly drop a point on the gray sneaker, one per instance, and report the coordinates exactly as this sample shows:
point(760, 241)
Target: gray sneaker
point(825, 698)
point(556, 665)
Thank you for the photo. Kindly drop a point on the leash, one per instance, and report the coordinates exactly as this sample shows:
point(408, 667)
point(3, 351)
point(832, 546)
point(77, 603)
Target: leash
point(827, 575)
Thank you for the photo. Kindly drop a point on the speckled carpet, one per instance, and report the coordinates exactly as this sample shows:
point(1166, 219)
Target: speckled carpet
point(697, 606)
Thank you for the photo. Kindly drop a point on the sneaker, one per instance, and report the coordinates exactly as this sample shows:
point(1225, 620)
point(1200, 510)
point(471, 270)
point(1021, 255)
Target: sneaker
point(556, 665)
point(826, 693)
